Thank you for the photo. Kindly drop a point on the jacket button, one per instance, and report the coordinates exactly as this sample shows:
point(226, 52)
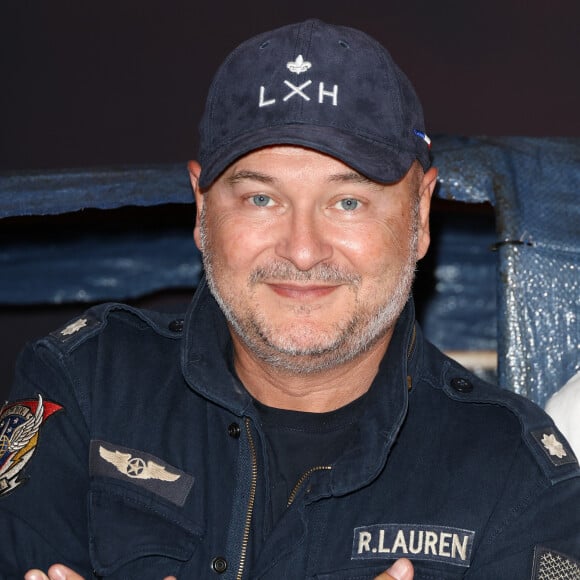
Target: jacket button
point(176, 325)
point(462, 385)
point(234, 430)
point(219, 565)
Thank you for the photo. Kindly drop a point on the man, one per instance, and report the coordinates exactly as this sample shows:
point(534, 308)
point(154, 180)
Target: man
point(295, 424)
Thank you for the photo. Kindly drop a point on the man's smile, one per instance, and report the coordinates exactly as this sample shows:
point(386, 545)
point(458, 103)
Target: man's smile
point(302, 291)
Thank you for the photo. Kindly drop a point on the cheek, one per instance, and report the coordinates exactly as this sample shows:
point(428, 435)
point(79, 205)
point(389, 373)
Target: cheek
point(235, 244)
point(373, 247)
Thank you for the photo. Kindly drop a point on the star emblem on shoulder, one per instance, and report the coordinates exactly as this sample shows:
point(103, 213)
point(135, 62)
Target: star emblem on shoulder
point(553, 446)
point(74, 327)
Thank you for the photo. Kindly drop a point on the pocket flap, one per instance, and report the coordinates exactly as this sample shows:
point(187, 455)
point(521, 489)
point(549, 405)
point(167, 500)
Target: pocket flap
point(124, 527)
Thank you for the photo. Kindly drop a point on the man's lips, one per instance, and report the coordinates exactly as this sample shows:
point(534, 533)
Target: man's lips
point(302, 291)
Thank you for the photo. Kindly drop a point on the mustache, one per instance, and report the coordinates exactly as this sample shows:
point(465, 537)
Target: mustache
point(286, 272)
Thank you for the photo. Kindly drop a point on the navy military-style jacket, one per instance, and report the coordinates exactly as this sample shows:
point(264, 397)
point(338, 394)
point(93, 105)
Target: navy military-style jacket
point(129, 450)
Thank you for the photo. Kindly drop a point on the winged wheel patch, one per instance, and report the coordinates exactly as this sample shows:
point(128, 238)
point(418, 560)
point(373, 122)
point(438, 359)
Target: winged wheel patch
point(136, 467)
point(140, 469)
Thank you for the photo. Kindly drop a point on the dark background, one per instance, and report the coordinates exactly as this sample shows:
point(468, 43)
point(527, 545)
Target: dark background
point(108, 83)
point(91, 83)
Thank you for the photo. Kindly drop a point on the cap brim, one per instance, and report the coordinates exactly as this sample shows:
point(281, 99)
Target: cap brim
point(379, 162)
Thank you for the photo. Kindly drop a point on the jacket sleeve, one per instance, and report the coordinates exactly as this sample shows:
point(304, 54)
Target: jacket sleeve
point(534, 532)
point(43, 467)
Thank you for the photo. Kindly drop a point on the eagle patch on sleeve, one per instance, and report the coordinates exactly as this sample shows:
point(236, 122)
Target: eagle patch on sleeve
point(552, 565)
point(20, 424)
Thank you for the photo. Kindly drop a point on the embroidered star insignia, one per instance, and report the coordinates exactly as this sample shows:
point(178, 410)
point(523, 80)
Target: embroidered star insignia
point(299, 65)
point(74, 327)
point(553, 446)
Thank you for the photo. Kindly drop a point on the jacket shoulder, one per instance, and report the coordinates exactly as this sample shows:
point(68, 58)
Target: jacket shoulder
point(112, 318)
point(547, 445)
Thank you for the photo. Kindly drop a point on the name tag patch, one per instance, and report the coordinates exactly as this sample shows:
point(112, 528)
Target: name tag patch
point(414, 541)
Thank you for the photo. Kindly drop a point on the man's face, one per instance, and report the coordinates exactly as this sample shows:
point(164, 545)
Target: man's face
point(311, 262)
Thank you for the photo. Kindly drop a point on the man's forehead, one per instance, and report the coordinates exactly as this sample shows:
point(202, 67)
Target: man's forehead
point(265, 164)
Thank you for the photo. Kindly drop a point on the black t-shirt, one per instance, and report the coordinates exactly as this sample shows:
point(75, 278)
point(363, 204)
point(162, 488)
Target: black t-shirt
point(298, 442)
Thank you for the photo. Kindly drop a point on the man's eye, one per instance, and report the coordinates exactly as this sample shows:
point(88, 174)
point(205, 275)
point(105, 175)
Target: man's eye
point(261, 200)
point(348, 204)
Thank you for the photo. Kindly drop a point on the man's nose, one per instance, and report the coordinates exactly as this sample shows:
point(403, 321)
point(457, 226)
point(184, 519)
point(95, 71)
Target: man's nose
point(304, 240)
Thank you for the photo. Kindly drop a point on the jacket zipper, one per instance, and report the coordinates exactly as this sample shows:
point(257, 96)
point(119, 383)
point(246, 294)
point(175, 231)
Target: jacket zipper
point(308, 473)
point(302, 479)
point(411, 348)
point(295, 490)
point(249, 513)
point(410, 351)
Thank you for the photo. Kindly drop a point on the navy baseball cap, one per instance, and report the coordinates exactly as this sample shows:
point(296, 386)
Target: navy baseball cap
point(329, 88)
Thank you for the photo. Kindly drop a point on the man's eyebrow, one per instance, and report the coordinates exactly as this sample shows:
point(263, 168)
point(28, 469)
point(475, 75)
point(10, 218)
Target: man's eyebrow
point(343, 177)
point(352, 177)
point(245, 175)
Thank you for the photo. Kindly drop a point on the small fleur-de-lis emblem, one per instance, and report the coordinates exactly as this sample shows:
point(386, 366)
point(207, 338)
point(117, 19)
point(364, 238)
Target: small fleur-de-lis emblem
point(299, 65)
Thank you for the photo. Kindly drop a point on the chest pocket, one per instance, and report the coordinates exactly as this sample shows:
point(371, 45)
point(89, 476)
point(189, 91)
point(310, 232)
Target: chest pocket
point(134, 536)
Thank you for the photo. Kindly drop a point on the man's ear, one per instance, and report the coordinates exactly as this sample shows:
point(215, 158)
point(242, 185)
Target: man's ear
point(426, 189)
point(194, 169)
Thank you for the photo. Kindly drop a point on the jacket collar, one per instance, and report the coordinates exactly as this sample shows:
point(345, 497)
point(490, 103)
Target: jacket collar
point(206, 367)
point(206, 354)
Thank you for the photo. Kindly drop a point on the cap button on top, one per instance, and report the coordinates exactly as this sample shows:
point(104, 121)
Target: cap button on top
point(176, 325)
point(462, 385)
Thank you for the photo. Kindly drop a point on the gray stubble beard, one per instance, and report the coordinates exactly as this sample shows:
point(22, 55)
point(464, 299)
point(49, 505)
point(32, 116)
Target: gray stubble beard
point(359, 335)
